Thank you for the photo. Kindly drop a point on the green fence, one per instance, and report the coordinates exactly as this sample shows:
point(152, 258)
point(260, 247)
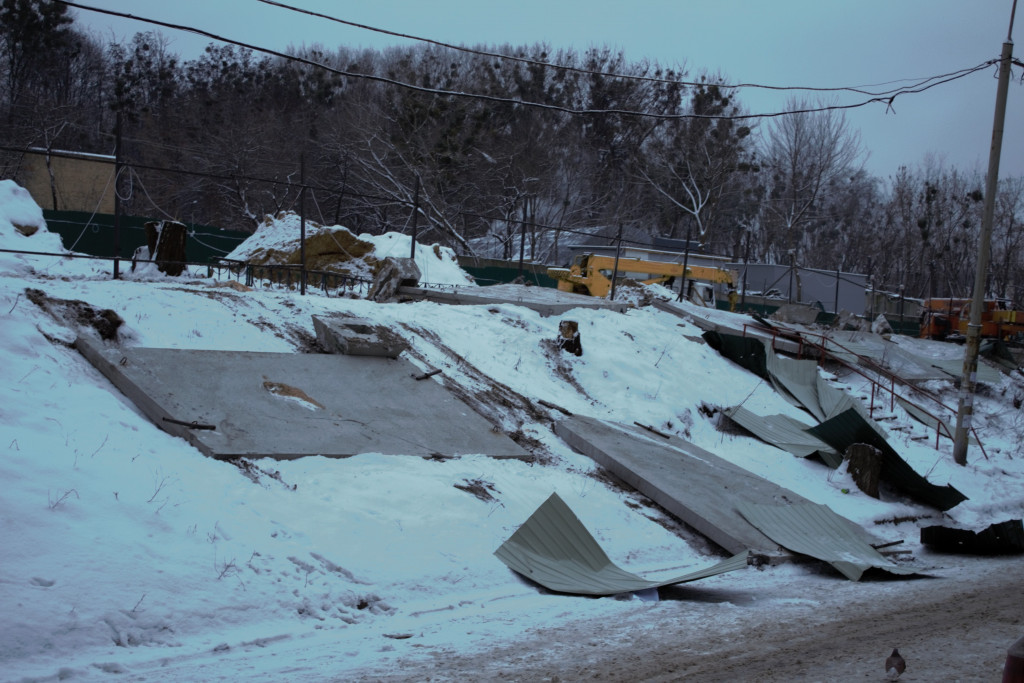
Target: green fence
point(94, 234)
point(495, 271)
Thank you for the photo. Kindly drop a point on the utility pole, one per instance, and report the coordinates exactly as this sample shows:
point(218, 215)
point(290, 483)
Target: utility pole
point(118, 167)
point(965, 409)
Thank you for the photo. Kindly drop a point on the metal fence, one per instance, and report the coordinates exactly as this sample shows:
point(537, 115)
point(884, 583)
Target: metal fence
point(283, 277)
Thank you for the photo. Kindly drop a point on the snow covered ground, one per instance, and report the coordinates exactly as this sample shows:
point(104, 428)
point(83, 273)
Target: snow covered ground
point(127, 554)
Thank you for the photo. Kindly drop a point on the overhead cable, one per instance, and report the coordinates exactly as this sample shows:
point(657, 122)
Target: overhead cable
point(917, 82)
point(886, 99)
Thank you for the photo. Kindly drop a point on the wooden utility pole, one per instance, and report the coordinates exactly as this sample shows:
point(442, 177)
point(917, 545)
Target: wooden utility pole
point(965, 409)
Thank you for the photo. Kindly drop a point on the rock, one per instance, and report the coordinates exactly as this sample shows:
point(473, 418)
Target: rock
point(394, 273)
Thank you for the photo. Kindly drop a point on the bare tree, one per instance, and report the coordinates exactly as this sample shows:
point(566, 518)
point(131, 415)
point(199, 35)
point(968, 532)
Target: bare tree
point(804, 154)
point(1008, 240)
point(691, 163)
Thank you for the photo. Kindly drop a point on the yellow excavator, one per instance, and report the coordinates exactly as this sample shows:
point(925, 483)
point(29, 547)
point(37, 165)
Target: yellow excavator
point(592, 274)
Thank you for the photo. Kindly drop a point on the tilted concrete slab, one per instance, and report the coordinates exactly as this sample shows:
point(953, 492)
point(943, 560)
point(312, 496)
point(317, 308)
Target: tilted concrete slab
point(724, 322)
point(354, 336)
point(545, 300)
point(693, 484)
point(232, 404)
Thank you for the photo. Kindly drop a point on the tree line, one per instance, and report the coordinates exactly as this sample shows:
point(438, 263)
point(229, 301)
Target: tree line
point(491, 152)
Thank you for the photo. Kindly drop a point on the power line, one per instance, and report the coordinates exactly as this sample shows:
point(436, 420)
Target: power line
point(592, 72)
point(887, 98)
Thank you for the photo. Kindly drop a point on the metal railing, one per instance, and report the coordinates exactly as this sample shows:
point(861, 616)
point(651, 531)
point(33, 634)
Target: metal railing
point(284, 276)
point(893, 377)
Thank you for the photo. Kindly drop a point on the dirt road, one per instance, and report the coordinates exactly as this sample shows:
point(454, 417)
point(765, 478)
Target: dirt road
point(956, 627)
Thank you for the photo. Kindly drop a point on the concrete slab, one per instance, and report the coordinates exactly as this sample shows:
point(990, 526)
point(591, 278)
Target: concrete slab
point(545, 300)
point(724, 322)
point(693, 484)
point(354, 336)
point(232, 404)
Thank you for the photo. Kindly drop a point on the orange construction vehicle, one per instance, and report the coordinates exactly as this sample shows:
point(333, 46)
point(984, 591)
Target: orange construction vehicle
point(592, 274)
point(948, 318)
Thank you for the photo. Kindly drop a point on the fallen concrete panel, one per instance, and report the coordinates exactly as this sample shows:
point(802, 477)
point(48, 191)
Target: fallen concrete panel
point(691, 483)
point(851, 427)
point(817, 531)
point(1003, 538)
point(925, 418)
point(785, 432)
point(553, 548)
point(353, 336)
point(545, 300)
point(285, 405)
point(954, 369)
point(902, 359)
point(727, 323)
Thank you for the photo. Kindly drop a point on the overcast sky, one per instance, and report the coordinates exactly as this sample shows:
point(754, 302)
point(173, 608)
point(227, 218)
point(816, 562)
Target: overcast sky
point(815, 43)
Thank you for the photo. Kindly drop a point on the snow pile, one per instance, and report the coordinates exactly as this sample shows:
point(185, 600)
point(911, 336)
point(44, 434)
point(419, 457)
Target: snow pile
point(336, 249)
point(127, 553)
point(22, 227)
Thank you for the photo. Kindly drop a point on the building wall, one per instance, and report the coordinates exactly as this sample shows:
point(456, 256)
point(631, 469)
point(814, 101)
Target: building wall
point(810, 286)
point(82, 184)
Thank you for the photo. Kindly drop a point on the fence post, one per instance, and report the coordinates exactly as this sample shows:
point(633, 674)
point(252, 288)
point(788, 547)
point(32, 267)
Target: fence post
point(792, 271)
point(836, 309)
point(686, 264)
point(302, 224)
point(415, 219)
point(615, 272)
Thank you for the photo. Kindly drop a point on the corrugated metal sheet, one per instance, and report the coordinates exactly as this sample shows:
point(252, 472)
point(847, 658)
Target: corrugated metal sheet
point(554, 549)
point(786, 433)
point(800, 382)
point(795, 381)
point(815, 530)
point(747, 352)
point(850, 427)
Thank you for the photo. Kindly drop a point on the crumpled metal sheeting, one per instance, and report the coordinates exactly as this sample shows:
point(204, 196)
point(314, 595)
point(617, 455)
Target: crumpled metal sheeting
point(554, 549)
point(851, 427)
point(785, 432)
point(800, 382)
